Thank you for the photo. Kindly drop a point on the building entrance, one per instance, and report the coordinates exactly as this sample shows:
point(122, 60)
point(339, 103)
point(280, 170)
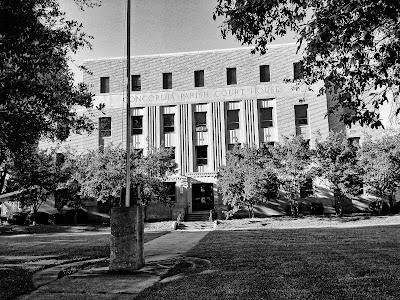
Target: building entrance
point(203, 196)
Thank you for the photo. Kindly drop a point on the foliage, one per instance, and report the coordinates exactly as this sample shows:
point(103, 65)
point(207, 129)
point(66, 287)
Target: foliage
point(380, 161)
point(101, 174)
point(352, 46)
point(36, 177)
point(338, 161)
point(36, 85)
point(293, 161)
point(246, 180)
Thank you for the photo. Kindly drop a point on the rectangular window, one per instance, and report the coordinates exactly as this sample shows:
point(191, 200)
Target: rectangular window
point(232, 146)
point(168, 122)
point(199, 78)
point(200, 119)
point(170, 191)
point(231, 76)
point(105, 126)
point(138, 152)
point(172, 149)
point(137, 125)
point(355, 141)
point(306, 188)
point(264, 73)
point(266, 117)
point(104, 84)
point(298, 70)
point(232, 119)
point(167, 81)
point(300, 114)
point(201, 155)
point(136, 83)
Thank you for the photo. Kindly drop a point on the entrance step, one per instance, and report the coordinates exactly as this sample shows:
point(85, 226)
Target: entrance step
point(196, 225)
point(201, 216)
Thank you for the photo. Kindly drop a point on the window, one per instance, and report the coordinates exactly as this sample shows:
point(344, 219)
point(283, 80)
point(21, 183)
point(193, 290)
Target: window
point(167, 81)
point(170, 191)
point(104, 84)
point(105, 126)
point(232, 146)
point(137, 125)
point(298, 70)
point(355, 141)
point(60, 159)
point(136, 83)
point(233, 119)
point(201, 155)
point(138, 152)
point(300, 114)
point(199, 78)
point(231, 76)
point(172, 149)
point(168, 122)
point(200, 119)
point(306, 187)
point(264, 73)
point(266, 117)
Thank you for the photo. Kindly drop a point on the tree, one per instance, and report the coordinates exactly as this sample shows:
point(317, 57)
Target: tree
point(36, 177)
point(68, 189)
point(246, 180)
point(352, 46)
point(338, 162)
point(37, 93)
point(293, 161)
point(101, 175)
point(380, 161)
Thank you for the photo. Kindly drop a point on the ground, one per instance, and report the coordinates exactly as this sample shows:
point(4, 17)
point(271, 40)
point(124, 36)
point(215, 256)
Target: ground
point(292, 258)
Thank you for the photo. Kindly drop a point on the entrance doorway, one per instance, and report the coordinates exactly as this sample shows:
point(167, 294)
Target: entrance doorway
point(203, 196)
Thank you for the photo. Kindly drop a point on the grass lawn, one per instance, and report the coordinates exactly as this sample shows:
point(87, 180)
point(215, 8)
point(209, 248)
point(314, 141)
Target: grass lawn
point(24, 250)
point(351, 263)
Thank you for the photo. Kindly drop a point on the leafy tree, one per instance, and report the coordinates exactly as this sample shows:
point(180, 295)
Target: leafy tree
point(293, 161)
point(338, 162)
point(101, 175)
point(246, 180)
point(352, 46)
point(68, 189)
point(36, 177)
point(380, 161)
point(37, 93)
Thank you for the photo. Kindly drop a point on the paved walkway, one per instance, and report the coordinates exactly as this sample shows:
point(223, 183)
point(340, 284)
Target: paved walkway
point(94, 281)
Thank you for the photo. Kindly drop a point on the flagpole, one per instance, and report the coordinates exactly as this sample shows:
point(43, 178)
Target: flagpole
point(128, 106)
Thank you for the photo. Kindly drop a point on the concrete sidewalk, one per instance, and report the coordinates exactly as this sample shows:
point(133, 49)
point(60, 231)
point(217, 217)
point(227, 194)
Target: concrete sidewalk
point(95, 282)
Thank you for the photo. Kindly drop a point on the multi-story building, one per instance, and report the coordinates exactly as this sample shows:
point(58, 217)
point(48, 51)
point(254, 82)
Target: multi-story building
point(202, 104)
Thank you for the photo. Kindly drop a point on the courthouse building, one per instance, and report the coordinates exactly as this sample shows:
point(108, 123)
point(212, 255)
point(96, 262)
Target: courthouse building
point(201, 104)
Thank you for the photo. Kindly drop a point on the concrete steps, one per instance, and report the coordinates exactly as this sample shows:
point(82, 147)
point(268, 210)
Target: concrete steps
point(200, 216)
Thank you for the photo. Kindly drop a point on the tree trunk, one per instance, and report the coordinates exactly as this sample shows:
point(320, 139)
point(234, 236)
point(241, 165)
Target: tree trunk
point(3, 179)
point(76, 216)
point(391, 203)
point(34, 216)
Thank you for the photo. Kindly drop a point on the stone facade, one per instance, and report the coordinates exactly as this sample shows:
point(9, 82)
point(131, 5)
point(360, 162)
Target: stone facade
point(205, 121)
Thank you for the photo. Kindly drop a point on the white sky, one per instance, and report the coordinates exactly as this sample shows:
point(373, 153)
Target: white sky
point(157, 26)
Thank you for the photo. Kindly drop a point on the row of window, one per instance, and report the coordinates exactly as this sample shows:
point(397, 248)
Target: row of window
point(136, 83)
point(200, 120)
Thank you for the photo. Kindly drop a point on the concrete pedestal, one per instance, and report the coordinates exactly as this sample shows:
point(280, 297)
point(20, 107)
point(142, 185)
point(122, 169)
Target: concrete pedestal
point(127, 229)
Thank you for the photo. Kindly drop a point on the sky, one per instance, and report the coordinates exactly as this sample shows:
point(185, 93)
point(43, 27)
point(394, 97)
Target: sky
point(157, 26)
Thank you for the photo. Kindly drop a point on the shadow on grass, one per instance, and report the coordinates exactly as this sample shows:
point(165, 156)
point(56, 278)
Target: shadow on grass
point(43, 229)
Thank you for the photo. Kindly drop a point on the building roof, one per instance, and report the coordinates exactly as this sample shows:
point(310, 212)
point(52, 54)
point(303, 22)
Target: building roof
point(190, 52)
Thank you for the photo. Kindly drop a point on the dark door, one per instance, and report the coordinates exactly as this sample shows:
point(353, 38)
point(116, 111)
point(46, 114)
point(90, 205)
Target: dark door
point(203, 196)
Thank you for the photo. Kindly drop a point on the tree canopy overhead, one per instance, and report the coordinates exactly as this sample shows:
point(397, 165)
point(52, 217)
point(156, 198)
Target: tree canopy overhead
point(353, 46)
point(37, 92)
